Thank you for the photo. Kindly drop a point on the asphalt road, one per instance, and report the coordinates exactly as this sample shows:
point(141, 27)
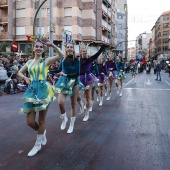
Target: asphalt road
point(127, 133)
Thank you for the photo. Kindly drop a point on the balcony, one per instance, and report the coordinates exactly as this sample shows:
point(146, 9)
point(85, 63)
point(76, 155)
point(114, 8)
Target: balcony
point(104, 8)
point(106, 25)
point(3, 20)
point(104, 38)
point(3, 35)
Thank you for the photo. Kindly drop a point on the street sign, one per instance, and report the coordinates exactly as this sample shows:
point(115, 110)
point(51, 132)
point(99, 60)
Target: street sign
point(14, 46)
point(52, 27)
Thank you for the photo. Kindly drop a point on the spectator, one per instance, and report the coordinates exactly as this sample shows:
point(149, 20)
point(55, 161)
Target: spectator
point(158, 71)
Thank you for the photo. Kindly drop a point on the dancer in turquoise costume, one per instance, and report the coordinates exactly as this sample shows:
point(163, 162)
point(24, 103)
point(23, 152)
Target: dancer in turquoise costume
point(40, 93)
point(133, 69)
point(120, 72)
point(68, 84)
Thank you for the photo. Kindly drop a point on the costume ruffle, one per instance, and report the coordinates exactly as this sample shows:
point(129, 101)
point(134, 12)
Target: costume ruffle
point(37, 97)
point(121, 75)
point(88, 80)
point(65, 85)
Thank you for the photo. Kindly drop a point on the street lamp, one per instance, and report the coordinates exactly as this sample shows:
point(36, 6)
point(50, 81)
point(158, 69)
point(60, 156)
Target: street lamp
point(36, 16)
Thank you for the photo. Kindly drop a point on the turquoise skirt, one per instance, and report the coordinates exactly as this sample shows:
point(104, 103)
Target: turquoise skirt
point(37, 97)
point(120, 75)
point(65, 85)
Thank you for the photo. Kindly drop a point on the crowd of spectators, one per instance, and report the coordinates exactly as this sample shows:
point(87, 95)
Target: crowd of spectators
point(10, 83)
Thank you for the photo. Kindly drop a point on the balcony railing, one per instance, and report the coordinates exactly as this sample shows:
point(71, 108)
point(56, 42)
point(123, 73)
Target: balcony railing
point(104, 38)
point(106, 25)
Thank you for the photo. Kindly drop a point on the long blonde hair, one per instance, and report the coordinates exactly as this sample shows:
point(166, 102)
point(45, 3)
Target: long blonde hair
point(66, 55)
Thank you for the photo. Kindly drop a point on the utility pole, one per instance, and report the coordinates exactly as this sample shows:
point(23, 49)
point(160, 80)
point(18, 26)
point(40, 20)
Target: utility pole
point(51, 27)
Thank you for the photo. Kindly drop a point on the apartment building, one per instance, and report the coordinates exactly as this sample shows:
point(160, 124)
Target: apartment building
point(142, 43)
point(91, 21)
point(122, 32)
point(162, 36)
point(131, 53)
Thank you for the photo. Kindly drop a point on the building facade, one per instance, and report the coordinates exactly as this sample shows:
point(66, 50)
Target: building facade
point(162, 36)
point(142, 42)
point(122, 32)
point(91, 21)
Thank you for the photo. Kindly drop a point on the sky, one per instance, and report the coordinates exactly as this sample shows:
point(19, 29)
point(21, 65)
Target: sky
point(142, 15)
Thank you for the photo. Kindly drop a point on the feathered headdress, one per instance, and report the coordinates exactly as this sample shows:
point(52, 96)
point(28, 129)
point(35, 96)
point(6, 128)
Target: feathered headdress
point(83, 46)
point(32, 38)
point(71, 42)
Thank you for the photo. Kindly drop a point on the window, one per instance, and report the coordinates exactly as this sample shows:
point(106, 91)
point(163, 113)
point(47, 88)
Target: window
point(20, 30)
point(48, 11)
point(68, 28)
point(48, 28)
point(165, 40)
point(120, 35)
point(120, 17)
point(42, 30)
point(165, 48)
point(20, 13)
point(80, 13)
point(120, 26)
point(165, 17)
point(165, 32)
point(23, 47)
point(166, 25)
point(94, 15)
point(67, 12)
point(80, 30)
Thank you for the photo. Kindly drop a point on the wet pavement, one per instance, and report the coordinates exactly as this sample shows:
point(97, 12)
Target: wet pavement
point(131, 132)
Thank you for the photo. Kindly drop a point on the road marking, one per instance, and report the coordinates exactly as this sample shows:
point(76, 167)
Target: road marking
point(148, 82)
point(167, 82)
point(146, 89)
point(128, 83)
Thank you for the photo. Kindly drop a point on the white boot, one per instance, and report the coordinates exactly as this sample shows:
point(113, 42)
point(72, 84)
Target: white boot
point(108, 97)
point(97, 97)
point(101, 101)
point(86, 117)
point(81, 106)
point(106, 93)
point(118, 90)
point(85, 106)
point(64, 121)
point(71, 127)
point(120, 93)
point(44, 139)
point(37, 146)
point(91, 108)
